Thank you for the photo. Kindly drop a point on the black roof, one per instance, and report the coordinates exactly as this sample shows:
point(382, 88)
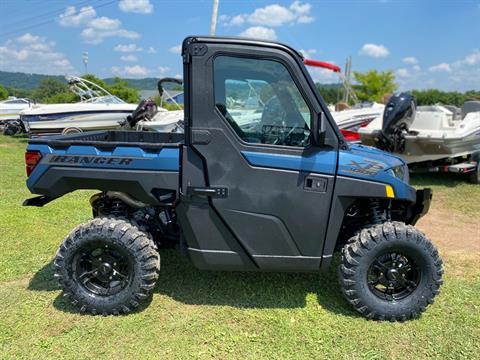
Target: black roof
point(240, 41)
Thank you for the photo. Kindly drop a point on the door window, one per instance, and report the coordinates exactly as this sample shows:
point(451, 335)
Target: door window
point(261, 102)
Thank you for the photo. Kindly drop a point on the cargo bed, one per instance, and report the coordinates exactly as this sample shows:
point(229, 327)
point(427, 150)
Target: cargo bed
point(114, 138)
point(144, 165)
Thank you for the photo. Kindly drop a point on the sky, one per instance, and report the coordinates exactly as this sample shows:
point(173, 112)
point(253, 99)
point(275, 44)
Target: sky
point(427, 43)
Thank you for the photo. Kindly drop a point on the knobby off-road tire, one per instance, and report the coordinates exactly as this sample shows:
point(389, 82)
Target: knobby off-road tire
point(107, 266)
point(390, 272)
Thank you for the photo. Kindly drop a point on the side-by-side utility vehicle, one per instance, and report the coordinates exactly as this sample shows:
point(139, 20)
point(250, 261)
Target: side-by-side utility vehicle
point(280, 194)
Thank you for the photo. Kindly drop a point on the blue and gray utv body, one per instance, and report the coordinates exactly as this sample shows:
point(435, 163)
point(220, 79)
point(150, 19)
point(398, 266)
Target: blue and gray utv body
point(270, 188)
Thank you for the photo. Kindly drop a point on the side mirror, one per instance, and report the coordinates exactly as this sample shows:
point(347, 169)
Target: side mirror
point(318, 130)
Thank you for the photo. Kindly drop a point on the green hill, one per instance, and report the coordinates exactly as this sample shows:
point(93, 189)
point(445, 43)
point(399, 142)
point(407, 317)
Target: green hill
point(20, 80)
point(25, 81)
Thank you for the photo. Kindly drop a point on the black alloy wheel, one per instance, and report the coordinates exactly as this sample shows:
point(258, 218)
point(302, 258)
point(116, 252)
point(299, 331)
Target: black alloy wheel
point(393, 276)
point(102, 268)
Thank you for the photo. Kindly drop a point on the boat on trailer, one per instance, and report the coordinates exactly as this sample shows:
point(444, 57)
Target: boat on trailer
point(11, 107)
point(434, 138)
point(10, 113)
point(97, 110)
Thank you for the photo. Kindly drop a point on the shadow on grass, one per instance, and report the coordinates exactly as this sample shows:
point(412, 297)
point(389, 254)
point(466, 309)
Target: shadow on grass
point(43, 279)
point(181, 281)
point(437, 179)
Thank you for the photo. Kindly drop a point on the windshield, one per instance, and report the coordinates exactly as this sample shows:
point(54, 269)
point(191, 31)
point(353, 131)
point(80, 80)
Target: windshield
point(15, 101)
point(110, 99)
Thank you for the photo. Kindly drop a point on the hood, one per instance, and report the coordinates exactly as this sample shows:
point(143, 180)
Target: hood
point(366, 162)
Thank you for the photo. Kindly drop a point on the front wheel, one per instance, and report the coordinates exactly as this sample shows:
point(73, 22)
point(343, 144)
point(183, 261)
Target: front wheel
point(390, 272)
point(107, 266)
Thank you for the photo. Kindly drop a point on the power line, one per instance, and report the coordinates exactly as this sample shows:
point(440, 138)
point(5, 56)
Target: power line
point(34, 6)
point(58, 11)
point(51, 20)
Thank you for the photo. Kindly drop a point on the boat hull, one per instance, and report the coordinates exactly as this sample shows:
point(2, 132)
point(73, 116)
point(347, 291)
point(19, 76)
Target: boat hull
point(58, 118)
point(9, 113)
point(428, 148)
point(77, 122)
point(423, 148)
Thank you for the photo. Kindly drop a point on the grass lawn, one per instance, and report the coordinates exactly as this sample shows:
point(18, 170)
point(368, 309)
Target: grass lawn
point(195, 314)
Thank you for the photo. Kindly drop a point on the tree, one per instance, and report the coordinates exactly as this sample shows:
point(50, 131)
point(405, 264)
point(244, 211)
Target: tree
point(49, 88)
point(473, 95)
point(61, 98)
point(19, 93)
point(3, 93)
point(120, 88)
point(373, 85)
point(434, 96)
point(331, 94)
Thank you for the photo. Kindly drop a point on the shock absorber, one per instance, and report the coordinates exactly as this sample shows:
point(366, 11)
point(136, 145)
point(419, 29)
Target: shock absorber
point(378, 215)
point(118, 208)
point(380, 211)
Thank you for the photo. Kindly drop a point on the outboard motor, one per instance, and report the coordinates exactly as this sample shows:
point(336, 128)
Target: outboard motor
point(398, 116)
point(146, 110)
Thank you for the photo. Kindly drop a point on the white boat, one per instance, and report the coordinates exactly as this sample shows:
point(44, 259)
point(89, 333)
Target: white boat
point(148, 117)
point(438, 131)
point(360, 115)
point(163, 121)
point(438, 137)
point(11, 107)
point(97, 110)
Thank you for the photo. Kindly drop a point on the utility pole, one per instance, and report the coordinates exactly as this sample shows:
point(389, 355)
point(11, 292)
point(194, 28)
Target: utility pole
point(348, 70)
point(85, 61)
point(347, 86)
point(213, 23)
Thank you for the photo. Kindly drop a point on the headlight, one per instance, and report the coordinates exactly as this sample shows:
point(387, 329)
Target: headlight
point(401, 172)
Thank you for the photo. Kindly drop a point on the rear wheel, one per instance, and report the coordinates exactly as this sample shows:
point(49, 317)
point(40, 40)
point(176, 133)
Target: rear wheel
point(390, 272)
point(107, 266)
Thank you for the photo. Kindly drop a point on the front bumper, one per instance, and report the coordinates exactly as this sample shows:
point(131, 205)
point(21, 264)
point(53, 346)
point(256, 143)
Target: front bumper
point(420, 207)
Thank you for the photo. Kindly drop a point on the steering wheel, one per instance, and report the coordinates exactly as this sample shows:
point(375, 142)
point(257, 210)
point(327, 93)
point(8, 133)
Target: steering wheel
point(274, 125)
point(273, 121)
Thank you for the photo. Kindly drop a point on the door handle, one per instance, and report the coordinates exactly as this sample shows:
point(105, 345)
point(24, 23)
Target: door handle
point(214, 192)
point(315, 183)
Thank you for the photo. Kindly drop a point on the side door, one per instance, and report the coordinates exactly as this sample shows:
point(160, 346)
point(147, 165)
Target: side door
point(256, 190)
